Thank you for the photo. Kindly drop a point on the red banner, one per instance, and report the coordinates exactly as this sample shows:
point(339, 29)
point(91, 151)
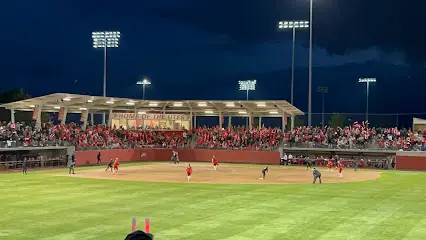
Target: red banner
point(35, 113)
point(61, 113)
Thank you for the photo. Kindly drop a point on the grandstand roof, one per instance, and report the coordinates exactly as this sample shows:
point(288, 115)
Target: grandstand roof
point(76, 103)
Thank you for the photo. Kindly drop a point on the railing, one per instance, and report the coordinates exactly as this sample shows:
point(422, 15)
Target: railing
point(256, 148)
point(133, 146)
point(191, 143)
point(369, 146)
point(14, 144)
point(38, 163)
point(374, 163)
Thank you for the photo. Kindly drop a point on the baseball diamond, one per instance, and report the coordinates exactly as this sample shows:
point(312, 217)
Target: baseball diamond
point(228, 174)
point(50, 204)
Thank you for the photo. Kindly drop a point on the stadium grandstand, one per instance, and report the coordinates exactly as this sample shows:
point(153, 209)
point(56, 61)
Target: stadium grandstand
point(127, 112)
point(127, 115)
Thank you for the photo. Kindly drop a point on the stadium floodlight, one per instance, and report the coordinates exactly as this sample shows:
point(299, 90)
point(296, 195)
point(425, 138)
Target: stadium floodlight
point(143, 83)
point(323, 91)
point(293, 25)
point(247, 85)
point(105, 39)
point(367, 81)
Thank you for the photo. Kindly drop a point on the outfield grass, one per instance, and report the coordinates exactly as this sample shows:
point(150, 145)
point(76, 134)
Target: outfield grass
point(37, 206)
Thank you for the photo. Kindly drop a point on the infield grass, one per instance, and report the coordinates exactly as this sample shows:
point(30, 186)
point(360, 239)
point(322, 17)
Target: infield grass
point(37, 206)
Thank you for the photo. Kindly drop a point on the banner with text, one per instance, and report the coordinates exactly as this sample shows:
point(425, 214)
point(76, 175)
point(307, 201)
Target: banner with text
point(134, 116)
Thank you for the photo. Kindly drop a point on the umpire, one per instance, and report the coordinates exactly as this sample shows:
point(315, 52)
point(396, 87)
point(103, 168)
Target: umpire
point(317, 174)
point(355, 164)
point(71, 164)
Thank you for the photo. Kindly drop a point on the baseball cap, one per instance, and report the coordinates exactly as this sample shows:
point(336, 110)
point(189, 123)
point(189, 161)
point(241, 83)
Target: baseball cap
point(139, 235)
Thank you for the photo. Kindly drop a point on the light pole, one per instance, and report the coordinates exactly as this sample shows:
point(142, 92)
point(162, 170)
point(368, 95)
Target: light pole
point(105, 39)
point(143, 83)
point(293, 25)
point(247, 85)
point(310, 65)
point(323, 91)
point(367, 81)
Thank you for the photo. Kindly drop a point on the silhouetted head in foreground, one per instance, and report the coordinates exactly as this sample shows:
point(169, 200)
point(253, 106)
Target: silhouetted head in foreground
point(139, 235)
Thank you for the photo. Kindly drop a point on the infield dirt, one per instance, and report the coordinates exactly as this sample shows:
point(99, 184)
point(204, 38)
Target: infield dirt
point(226, 173)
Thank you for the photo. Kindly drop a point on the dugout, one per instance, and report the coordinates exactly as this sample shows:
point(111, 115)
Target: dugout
point(377, 158)
point(38, 157)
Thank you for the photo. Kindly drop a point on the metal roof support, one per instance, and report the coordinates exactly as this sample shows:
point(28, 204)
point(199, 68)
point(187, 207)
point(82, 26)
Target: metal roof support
point(85, 116)
point(38, 121)
point(283, 118)
point(110, 118)
point(164, 107)
point(217, 107)
point(250, 121)
point(190, 115)
point(64, 117)
point(12, 115)
point(249, 110)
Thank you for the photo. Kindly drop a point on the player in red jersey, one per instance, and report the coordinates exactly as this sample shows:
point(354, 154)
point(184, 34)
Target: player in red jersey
point(340, 166)
point(116, 163)
point(215, 162)
point(189, 171)
point(329, 165)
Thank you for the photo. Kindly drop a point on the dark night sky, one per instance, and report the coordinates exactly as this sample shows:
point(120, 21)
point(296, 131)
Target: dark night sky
point(194, 49)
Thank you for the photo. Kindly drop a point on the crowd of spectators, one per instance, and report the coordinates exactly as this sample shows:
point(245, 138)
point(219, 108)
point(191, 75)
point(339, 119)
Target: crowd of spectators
point(355, 136)
point(20, 134)
point(239, 138)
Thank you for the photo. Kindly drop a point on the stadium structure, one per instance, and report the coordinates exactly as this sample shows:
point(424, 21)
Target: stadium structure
point(173, 114)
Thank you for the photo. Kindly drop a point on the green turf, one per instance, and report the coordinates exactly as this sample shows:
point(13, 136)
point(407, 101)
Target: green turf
point(37, 206)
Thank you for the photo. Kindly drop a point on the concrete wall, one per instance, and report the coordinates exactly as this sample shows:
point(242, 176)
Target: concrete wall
point(404, 160)
point(185, 155)
point(411, 160)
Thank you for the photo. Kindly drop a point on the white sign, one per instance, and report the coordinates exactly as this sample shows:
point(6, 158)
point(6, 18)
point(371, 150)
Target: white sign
point(134, 116)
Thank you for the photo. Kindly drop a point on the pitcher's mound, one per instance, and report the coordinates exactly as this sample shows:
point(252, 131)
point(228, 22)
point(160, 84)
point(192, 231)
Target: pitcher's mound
point(226, 173)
